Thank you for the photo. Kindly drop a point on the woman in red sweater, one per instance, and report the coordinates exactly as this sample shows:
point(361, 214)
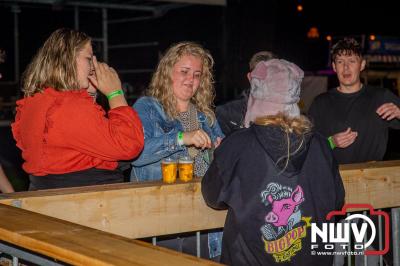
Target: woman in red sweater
point(66, 139)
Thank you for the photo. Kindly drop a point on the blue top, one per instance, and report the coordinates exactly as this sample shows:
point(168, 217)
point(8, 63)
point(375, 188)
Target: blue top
point(160, 138)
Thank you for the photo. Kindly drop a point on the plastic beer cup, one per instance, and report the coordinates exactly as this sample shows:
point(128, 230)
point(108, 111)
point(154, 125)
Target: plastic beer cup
point(185, 165)
point(169, 170)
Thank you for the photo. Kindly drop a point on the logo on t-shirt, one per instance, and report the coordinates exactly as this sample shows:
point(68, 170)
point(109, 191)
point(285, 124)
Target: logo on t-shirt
point(284, 226)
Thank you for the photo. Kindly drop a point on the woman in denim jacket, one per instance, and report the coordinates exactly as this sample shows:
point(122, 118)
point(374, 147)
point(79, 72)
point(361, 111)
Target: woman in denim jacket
point(178, 119)
point(177, 116)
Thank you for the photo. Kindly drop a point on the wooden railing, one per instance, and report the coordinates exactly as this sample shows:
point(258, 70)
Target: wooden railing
point(79, 245)
point(129, 210)
point(153, 209)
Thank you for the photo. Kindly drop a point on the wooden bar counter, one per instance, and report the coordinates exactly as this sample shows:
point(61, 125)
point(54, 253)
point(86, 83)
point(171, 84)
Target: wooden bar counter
point(152, 209)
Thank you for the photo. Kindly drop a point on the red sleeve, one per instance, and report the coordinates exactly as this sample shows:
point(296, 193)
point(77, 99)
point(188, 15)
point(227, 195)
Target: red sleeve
point(81, 125)
point(16, 125)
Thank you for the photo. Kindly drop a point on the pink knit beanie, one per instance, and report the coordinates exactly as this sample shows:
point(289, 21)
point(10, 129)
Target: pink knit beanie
point(275, 87)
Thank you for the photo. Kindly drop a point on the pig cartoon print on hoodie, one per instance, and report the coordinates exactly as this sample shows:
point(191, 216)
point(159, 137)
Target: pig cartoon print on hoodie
point(283, 228)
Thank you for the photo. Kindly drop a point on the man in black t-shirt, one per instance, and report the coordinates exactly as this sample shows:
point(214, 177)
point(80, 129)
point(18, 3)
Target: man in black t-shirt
point(354, 117)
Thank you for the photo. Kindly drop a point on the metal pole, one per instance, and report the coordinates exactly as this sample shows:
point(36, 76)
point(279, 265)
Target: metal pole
point(198, 244)
point(15, 9)
point(15, 261)
point(349, 246)
point(224, 39)
point(365, 241)
point(18, 253)
point(133, 45)
point(105, 35)
point(380, 238)
point(76, 18)
point(396, 236)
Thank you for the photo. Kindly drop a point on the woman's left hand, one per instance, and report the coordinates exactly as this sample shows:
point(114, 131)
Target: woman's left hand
point(197, 138)
point(106, 79)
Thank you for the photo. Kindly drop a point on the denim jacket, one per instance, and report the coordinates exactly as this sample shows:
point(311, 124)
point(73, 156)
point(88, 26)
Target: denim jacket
point(160, 141)
point(160, 138)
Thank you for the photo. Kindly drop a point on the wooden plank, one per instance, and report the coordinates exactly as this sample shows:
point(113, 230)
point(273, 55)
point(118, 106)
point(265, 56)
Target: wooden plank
point(376, 183)
point(143, 210)
point(79, 245)
point(133, 211)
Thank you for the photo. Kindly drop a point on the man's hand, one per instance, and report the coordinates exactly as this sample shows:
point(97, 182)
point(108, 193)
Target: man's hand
point(388, 111)
point(345, 138)
point(217, 142)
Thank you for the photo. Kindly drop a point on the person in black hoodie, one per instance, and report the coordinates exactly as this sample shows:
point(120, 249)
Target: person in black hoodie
point(230, 115)
point(275, 177)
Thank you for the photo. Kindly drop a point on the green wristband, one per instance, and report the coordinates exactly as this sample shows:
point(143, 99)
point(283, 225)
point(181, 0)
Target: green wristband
point(180, 138)
point(114, 94)
point(331, 142)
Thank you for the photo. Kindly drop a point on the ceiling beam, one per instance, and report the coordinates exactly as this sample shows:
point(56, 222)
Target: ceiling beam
point(86, 4)
point(200, 2)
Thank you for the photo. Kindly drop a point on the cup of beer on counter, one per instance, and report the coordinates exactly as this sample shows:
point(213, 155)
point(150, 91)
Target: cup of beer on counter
point(169, 169)
point(185, 166)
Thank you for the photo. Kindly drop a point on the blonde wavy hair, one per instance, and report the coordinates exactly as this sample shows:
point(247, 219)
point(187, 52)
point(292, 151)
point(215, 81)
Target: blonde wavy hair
point(54, 65)
point(161, 83)
point(299, 125)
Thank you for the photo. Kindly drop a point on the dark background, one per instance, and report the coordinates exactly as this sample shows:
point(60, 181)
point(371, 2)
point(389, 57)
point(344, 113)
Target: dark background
point(232, 33)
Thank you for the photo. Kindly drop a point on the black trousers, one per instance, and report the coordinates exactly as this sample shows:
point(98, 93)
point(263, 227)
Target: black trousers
point(87, 177)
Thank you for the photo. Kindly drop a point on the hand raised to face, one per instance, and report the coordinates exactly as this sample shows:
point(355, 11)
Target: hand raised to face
point(105, 79)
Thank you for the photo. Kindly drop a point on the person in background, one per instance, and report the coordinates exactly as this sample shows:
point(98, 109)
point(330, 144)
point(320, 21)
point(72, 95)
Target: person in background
point(354, 117)
point(178, 119)
point(274, 177)
point(5, 185)
point(65, 137)
point(230, 115)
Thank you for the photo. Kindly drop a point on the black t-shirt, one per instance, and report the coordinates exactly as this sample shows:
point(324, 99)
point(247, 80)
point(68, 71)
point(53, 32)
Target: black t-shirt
point(333, 112)
point(231, 115)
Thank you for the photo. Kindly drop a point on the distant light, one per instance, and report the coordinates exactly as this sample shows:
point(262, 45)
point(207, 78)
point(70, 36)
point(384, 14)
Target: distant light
point(313, 33)
point(299, 8)
point(328, 38)
point(372, 37)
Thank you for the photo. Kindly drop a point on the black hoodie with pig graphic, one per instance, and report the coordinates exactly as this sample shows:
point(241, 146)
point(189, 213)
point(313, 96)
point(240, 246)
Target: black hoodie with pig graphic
point(272, 201)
